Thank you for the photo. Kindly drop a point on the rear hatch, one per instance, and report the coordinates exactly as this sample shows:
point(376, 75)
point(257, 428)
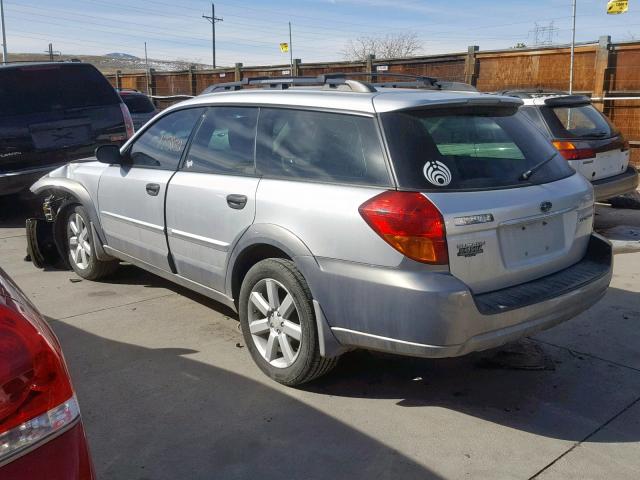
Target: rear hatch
point(502, 229)
point(585, 137)
point(54, 113)
point(140, 107)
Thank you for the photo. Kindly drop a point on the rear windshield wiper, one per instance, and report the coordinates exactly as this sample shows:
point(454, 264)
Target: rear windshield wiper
point(594, 134)
point(526, 174)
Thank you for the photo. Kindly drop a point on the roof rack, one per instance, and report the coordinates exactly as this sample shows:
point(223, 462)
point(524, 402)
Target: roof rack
point(334, 80)
point(341, 81)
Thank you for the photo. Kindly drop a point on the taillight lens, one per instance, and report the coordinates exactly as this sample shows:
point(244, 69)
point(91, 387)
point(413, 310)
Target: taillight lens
point(574, 150)
point(625, 145)
point(36, 397)
point(128, 121)
point(410, 223)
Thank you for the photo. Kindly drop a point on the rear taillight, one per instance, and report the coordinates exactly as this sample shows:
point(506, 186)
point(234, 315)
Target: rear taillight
point(36, 397)
point(410, 223)
point(574, 150)
point(128, 121)
point(625, 145)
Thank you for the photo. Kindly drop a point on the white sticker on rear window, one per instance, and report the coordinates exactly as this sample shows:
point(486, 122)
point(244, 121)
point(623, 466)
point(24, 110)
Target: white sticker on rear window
point(437, 173)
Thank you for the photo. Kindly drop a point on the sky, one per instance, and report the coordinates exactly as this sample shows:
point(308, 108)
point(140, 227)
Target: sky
point(251, 30)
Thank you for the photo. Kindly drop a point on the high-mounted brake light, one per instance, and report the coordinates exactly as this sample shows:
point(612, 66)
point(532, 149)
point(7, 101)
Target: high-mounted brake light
point(36, 397)
point(573, 150)
point(410, 223)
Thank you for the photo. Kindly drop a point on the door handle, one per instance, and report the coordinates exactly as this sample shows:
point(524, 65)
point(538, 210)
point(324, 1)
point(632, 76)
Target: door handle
point(153, 189)
point(237, 202)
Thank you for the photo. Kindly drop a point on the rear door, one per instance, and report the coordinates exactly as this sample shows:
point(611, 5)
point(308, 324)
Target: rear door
point(211, 200)
point(131, 197)
point(53, 113)
point(501, 229)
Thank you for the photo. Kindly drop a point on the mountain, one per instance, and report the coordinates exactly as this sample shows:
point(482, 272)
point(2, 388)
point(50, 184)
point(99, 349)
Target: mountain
point(122, 56)
point(111, 62)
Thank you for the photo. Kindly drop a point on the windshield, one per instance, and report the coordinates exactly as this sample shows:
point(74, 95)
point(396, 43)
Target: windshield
point(472, 148)
point(47, 88)
point(138, 103)
point(580, 121)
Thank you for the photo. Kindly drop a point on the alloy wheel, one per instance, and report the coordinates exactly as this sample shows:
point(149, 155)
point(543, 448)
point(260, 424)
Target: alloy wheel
point(79, 246)
point(274, 323)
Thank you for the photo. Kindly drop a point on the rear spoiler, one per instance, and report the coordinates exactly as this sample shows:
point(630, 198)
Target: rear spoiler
point(568, 100)
point(383, 105)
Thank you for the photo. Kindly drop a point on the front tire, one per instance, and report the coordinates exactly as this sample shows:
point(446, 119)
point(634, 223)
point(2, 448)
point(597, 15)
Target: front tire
point(80, 247)
point(278, 323)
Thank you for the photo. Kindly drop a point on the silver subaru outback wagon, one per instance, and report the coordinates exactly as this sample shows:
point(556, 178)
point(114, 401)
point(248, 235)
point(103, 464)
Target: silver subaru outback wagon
point(418, 222)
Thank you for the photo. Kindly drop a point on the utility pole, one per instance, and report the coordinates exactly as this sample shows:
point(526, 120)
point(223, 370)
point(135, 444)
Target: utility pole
point(213, 19)
point(4, 34)
point(146, 62)
point(573, 49)
point(52, 53)
point(290, 50)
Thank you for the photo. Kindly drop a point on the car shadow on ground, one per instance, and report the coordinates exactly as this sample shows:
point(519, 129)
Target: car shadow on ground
point(154, 414)
point(529, 385)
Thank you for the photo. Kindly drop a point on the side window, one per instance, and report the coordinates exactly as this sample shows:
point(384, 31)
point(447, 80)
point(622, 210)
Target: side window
point(161, 145)
point(224, 142)
point(320, 146)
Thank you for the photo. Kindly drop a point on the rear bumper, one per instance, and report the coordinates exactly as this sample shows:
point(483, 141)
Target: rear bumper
point(20, 180)
point(620, 184)
point(435, 314)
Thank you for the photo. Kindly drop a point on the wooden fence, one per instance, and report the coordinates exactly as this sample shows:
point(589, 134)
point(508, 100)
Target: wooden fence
point(608, 72)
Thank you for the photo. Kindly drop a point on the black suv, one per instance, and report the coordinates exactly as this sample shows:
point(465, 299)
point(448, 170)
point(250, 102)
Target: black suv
point(52, 113)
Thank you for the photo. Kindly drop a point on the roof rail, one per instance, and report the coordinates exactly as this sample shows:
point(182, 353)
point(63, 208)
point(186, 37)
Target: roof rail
point(339, 79)
point(409, 80)
point(328, 80)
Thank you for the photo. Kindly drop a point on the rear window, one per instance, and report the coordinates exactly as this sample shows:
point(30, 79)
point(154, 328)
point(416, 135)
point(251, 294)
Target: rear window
point(468, 149)
point(138, 103)
point(580, 121)
point(46, 88)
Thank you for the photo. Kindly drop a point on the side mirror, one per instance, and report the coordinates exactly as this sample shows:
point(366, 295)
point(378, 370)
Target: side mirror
point(109, 154)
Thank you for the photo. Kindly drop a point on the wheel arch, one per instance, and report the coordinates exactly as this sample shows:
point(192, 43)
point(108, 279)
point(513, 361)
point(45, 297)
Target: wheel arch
point(76, 193)
point(259, 242)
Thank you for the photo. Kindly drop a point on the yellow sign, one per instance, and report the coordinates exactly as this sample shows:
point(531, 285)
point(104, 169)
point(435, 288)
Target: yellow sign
point(615, 7)
point(284, 47)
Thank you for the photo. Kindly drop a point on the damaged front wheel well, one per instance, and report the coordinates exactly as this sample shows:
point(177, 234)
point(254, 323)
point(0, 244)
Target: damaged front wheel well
point(46, 237)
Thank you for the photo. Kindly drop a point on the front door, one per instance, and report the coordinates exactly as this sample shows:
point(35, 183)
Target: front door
point(211, 199)
point(131, 196)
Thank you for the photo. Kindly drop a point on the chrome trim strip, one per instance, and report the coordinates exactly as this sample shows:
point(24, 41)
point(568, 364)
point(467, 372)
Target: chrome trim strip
point(520, 221)
point(200, 240)
point(133, 221)
point(387, 339)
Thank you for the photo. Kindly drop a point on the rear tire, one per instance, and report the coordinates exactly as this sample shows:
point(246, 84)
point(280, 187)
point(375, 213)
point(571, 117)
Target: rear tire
point(279, 325)
point(80, 248)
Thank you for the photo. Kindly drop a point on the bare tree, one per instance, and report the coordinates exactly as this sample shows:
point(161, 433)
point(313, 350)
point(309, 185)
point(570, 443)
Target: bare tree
point(388, 46)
